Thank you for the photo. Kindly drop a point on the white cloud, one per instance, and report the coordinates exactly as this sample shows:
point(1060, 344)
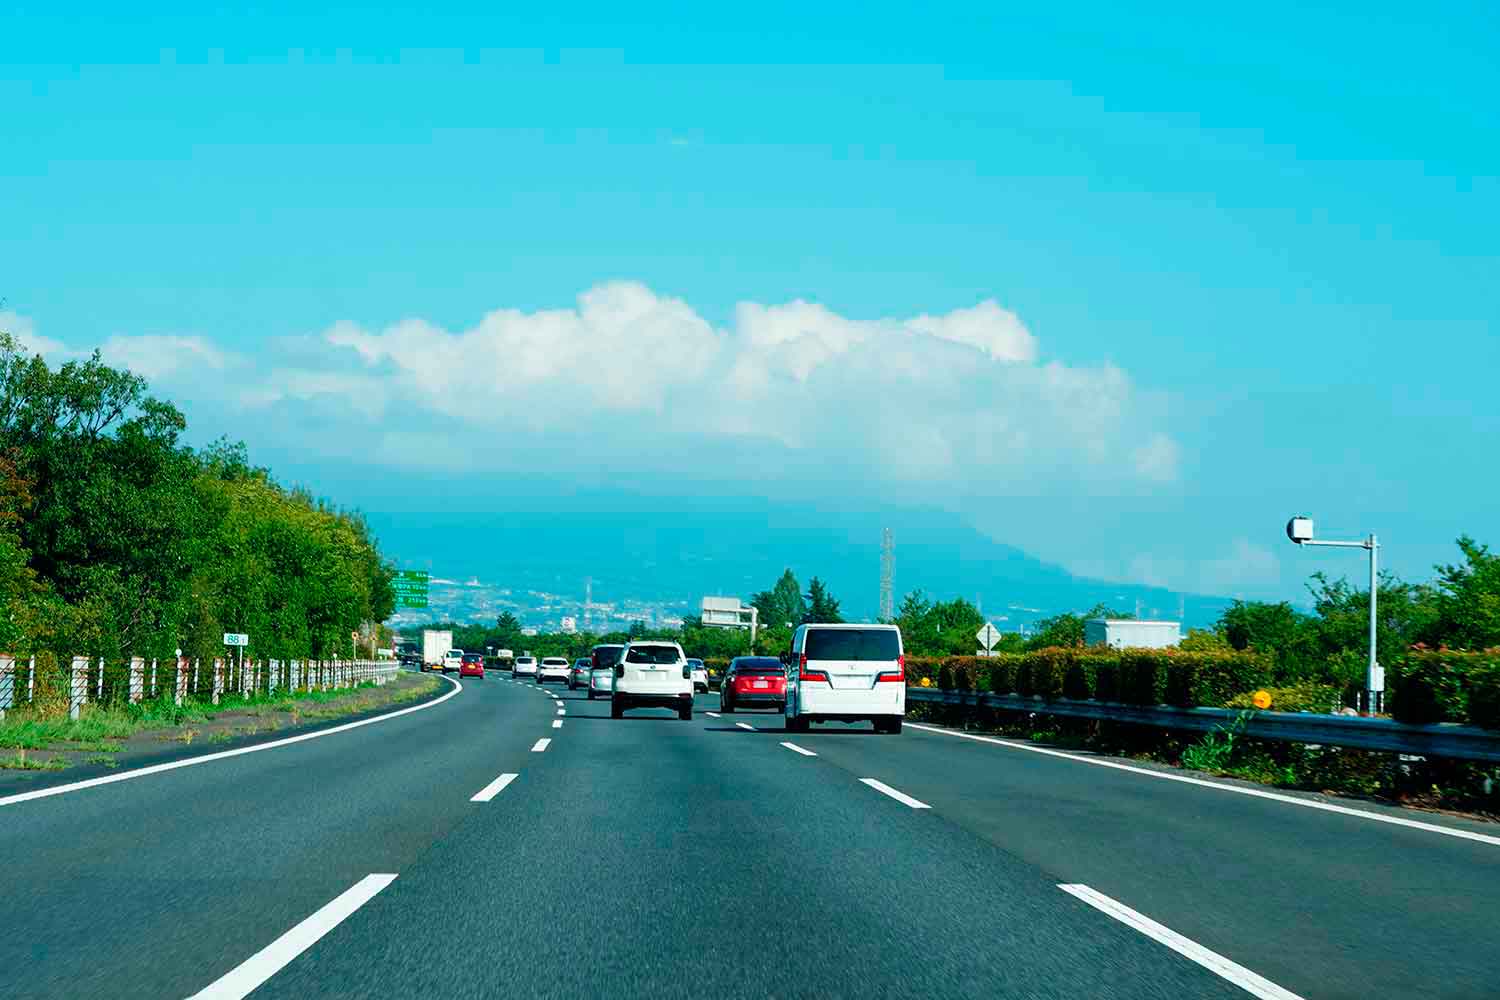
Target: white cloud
point(24, 331)
point(158, 356)
point(1248, 566)
point(998, 332)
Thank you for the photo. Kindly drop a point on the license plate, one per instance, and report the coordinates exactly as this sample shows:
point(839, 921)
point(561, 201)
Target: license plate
point(762, 684)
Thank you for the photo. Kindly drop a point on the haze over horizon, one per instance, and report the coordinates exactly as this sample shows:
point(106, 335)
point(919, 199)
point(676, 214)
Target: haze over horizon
point(1124, 307)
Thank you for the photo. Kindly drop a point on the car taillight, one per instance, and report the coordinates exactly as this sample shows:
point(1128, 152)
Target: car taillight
point(898, 675)
point(809, 675)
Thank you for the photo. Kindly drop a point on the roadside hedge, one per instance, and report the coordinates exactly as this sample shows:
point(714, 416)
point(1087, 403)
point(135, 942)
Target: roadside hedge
point(1446, 685)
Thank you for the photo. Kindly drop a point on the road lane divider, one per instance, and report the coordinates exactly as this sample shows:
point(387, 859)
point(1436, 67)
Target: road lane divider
point(541, 745)
point(1292, 800)
point(241, 981)
point(712, 715)
point(557, 723)
point(494, 788)
point(141, 772)
point(1220, 966)
point(745, 725)
point(901, 797)
point(796, 749)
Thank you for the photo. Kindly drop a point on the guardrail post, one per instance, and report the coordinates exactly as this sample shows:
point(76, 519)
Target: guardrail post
point(7, 682)
point(78, 686)
point(137, 679)
point(218, 678)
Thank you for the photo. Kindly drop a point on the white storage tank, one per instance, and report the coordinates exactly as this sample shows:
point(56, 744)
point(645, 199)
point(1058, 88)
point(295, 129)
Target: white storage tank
point(1128, 633)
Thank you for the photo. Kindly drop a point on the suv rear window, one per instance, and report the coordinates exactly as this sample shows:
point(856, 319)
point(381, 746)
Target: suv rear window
point(652, 654)
point(852, 644)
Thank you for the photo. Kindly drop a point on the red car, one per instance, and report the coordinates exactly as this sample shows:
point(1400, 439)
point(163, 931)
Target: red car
point(472, 665)
point(753, 682)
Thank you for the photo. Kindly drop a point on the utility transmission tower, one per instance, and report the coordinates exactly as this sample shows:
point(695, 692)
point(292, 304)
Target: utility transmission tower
point(887, 576)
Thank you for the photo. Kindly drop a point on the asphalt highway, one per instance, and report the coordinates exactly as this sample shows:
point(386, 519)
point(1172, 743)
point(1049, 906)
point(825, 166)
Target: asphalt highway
point(477, 848)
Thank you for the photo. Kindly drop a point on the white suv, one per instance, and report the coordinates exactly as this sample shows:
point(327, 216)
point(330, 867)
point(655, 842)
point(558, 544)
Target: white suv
point(553, 668)
point(846, 673)
point(524, 665)
point(652, 674)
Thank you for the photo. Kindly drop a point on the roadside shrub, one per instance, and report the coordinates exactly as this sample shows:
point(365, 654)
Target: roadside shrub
point(945, 677)
point(1049, 669)
point(918, 667)
point(1024, 687)
point(1106, 677)
point(1212, 678)
point(1428, 686)
point(1484, 691)
point(1143, 677)
point(1309, 696)
point(1078, 679)
point(1002, 672)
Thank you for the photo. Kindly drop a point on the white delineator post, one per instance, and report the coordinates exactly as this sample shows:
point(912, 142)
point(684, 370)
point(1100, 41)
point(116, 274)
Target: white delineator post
point(7, 682)
point(137, 679)
point(153, 677)
point(78, 686)
point(180, 681)
point(99, 693)
point(218, 678)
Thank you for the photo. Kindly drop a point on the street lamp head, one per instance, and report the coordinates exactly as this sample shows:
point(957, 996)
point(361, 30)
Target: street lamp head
point(1300, 529)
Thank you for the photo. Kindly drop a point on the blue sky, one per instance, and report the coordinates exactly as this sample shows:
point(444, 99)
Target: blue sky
point(1123, 287)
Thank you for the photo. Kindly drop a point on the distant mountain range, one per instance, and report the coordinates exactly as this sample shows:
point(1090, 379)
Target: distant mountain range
point(636, 549)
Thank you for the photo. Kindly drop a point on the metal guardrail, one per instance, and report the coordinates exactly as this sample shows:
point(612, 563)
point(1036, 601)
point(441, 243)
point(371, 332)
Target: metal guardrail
point(1439, 740)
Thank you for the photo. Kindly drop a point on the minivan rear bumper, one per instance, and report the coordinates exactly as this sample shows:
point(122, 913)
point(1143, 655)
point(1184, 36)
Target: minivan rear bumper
point(630, 699)
point(884, 699)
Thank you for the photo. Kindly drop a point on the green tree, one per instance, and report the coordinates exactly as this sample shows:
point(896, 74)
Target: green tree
point(1466, 601)
point(1067, 629)
point(782, 604)
point(821, 606)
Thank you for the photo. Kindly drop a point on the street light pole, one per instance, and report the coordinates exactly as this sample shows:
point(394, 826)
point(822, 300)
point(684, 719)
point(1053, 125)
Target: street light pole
point(1300, 530)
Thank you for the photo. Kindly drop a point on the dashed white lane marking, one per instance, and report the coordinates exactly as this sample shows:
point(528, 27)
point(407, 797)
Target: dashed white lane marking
point(494, 788)
point(562, 711)
point(745, 725)
point(1291, 800)
point(901, 797)
point(245, 978)
point(557, 723)
point(540, 746)
point(141, 772)
point(796, 749)
point(1191, 950)
point(712, 715)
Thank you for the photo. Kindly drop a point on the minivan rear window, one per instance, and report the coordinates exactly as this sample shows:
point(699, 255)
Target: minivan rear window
point(852, 644)
point(651, 654)
point(607, 656)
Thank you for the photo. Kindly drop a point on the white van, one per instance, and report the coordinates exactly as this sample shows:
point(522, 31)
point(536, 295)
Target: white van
point(846, 673)
point(652, 674)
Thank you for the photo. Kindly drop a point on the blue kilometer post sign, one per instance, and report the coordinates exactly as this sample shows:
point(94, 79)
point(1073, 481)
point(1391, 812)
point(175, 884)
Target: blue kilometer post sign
point(410, 586)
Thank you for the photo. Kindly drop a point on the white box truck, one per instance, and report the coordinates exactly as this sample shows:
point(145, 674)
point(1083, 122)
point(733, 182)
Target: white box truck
point(435, 645)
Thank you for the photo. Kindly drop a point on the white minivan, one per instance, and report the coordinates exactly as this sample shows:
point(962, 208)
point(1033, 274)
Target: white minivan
point(846, 673)
point(652, 674)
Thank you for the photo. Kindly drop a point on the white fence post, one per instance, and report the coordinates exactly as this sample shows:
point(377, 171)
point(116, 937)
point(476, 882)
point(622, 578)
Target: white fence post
point(179, 682)
point(99, 692)
point(137, 679)
point(218, 678)
point(7, 682)
point(153, 677)
point(195, 676)
point(31, 680)
point(78, 686)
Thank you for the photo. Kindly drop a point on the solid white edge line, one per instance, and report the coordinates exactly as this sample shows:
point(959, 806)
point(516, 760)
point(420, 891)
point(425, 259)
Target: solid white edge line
point(745, 725)
point(1220, 966)
point(242, 980)
point(557, 723)
point(141, 772)
point(712, 715)
point(796, 749)
point(901, 797)
point(1447, 831)
point(541, 745)
point(494, 788)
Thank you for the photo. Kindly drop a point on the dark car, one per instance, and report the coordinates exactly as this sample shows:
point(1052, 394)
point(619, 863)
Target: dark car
point(753, 682)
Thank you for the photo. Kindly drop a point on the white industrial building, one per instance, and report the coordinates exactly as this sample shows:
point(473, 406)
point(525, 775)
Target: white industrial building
point(729, 612)
point(1129, 633)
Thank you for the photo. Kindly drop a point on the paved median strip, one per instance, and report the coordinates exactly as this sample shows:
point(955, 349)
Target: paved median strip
point(796, 749)
point(1193, 951)
point(541, 745)
point(901, 797)
point(274, 957)
point(494, 788)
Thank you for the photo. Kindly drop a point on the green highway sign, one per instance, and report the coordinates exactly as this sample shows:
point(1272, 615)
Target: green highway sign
point(410, 586)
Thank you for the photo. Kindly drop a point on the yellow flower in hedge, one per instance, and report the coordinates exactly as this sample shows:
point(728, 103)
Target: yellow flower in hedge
point(927, 682)
point(1261, 699)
